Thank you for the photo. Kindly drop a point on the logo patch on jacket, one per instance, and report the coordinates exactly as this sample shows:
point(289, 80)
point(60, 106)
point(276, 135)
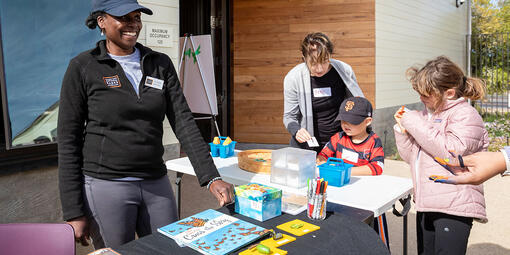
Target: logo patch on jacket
point(112, 81)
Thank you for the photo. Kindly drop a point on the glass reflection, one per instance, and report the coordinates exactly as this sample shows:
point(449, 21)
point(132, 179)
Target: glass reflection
point(39, 38)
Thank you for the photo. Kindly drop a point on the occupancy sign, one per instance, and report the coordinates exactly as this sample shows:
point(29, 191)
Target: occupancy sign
point(159, 35)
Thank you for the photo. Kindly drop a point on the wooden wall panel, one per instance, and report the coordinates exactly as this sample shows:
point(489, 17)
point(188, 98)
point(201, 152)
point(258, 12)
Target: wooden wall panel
point(266, 36)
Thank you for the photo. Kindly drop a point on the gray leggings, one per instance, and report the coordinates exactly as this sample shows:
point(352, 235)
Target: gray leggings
point(118, 209)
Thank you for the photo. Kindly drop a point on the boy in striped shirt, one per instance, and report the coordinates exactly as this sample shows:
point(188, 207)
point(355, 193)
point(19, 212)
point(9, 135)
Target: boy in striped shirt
point(358, 145)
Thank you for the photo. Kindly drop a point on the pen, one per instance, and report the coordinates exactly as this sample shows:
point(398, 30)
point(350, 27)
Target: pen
point(309, 195)
point(320, 191)
point(323, 188)
point(312, 197)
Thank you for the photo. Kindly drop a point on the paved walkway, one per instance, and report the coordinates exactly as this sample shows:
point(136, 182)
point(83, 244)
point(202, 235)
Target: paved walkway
point(489, 238)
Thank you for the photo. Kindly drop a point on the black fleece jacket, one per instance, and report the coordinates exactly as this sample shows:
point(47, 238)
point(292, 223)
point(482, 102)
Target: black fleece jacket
point(107, 131)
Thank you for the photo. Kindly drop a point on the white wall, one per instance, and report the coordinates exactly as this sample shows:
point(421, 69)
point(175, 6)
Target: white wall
point(410, 33)
point(166, 13)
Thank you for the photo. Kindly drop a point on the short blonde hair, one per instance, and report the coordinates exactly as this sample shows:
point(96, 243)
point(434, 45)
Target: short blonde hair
point(317, 47)
point(441, 74)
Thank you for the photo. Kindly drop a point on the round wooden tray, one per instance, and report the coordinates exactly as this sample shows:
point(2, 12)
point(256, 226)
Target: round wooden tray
point(256, 161)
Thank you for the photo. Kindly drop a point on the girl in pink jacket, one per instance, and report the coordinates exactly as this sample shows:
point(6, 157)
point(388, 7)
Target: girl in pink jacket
point(449, 123)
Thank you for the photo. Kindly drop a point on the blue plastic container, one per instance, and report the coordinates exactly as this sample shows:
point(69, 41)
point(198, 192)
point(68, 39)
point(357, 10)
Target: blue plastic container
point(222, 151)
point(336, 172)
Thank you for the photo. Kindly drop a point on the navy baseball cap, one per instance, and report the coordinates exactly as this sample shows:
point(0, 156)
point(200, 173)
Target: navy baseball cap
point(354, 110)
point(118, 8)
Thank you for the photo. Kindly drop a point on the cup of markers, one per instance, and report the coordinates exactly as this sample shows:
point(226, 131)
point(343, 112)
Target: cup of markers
point(316, 196)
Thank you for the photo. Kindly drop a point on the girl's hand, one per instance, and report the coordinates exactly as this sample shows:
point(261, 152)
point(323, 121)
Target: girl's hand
point(398, 117)
point(302, 135)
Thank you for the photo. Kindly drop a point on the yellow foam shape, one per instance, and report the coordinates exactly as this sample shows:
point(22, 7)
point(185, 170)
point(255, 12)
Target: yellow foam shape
point(254, 251)
point(227, 141)
point(270, 242)
point(216, 140)
point(305, 229)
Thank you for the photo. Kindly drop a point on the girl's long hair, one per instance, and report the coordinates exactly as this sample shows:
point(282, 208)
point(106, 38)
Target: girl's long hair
point(441, 74)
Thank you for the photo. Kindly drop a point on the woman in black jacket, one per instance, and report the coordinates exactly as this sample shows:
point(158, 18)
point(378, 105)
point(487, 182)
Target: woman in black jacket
point(113, 101)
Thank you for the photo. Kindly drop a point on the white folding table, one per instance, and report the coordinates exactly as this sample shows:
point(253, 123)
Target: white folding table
point(373, 193)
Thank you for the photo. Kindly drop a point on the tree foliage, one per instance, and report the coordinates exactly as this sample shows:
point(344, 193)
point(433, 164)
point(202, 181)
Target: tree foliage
point(490, 58)
point(490, 16)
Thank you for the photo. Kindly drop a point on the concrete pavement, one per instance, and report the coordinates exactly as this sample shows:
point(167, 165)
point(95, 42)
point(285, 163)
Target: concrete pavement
point(492, 237)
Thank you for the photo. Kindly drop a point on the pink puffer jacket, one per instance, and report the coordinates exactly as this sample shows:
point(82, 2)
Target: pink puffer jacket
point(457, 127)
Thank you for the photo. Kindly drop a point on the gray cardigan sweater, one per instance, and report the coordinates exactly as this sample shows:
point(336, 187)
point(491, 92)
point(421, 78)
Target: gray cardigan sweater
point(297, 107)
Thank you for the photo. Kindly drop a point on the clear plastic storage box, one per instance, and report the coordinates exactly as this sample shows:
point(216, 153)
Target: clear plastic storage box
point(292, 167)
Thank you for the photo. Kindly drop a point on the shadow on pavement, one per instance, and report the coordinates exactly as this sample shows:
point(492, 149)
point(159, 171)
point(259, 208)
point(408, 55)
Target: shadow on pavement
point(487, 248)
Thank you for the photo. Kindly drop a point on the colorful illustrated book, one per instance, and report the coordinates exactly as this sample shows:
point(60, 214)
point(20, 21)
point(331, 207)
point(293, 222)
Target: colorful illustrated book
point(212, 232)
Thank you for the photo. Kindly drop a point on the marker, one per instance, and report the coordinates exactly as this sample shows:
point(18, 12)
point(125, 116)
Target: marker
point(319, 202)
point(317, 199)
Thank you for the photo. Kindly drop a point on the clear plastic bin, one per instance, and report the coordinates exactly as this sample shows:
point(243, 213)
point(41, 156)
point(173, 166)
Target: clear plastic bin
point(292, 167)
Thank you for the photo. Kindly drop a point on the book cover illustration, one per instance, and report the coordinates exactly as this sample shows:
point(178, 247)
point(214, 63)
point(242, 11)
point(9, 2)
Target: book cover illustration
point(258, 201)
point(212, 232)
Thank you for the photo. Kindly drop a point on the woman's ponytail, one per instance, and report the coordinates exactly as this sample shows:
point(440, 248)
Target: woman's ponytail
point(91, 21)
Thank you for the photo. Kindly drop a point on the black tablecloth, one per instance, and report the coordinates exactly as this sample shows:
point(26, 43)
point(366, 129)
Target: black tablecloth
point(342, 232)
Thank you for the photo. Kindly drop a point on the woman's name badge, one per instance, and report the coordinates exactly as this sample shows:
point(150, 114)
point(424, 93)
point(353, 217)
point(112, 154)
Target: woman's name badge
point(153, 82)
point(350, 155)
point(322, 92)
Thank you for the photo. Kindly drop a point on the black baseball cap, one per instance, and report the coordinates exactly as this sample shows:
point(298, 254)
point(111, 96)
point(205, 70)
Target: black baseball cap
point(119, 8)
point(354, 110)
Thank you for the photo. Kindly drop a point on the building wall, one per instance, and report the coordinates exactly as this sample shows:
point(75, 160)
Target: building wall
point(166, 13)
point(265, 46)
point(29, 193)
point(410, 33)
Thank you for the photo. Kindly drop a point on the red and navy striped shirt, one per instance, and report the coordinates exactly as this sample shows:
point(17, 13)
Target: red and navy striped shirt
point(369, 152)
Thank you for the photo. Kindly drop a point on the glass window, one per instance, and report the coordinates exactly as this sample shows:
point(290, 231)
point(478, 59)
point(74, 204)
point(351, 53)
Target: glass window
point(38, 39)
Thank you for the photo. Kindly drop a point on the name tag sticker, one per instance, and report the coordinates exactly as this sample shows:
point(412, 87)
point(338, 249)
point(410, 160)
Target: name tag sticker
point(350, 155)
point(153, 82)
point(322, 92)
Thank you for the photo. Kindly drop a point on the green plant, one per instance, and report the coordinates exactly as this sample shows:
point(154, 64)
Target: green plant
point(491, 117)
point(499, 132)
point(394, 156)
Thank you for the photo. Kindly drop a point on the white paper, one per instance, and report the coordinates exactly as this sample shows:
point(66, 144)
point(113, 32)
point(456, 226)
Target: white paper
point(312, 142)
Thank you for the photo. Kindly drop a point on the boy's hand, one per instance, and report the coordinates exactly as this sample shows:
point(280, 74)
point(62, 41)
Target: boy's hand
point(398, 117)
point(320, 160)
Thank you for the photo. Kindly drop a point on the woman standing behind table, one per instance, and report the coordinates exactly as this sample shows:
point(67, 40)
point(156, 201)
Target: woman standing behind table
point(313, 92)
point(113, 101)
